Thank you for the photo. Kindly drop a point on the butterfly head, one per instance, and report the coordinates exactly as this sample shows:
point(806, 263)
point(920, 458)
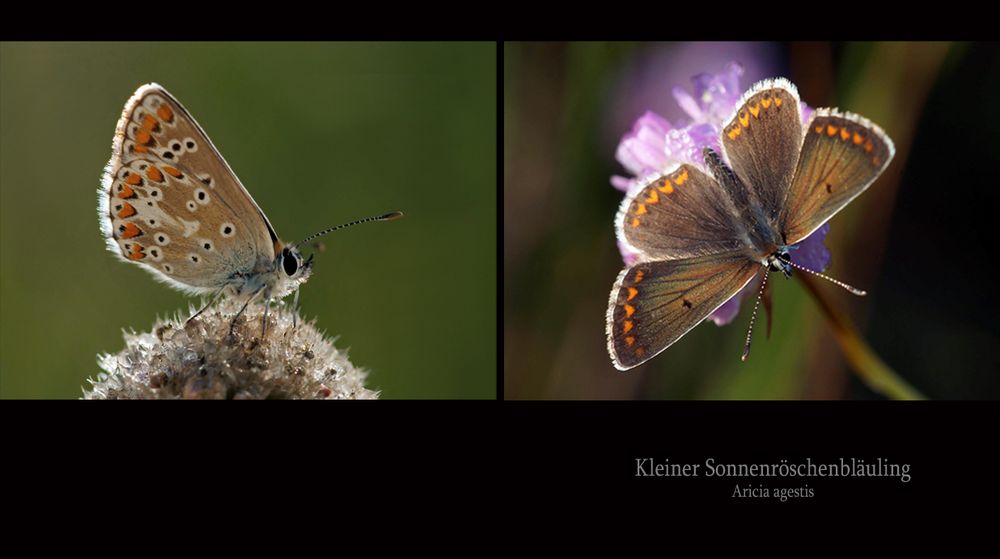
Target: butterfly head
point(780, 260)
point(290, 269)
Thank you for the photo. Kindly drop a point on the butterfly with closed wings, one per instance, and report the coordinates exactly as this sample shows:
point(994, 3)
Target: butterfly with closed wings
point(170, 203)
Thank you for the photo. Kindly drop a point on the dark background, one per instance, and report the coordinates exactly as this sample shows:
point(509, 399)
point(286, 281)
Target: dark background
point(920, 240)
point(320, 134)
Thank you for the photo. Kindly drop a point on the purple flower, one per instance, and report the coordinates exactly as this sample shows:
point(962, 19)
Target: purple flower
point(811, 253)
point(641, 149)
point(654, 145)
point(714, 97)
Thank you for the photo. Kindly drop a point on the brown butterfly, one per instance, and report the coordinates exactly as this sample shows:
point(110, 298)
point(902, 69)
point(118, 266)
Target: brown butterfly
point(170, 203)
point(703, 232)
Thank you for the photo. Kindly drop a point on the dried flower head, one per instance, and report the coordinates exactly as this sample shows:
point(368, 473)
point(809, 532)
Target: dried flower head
point(203, 359)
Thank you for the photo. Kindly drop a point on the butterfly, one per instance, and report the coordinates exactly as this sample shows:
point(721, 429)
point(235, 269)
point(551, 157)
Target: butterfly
point(171, 204)
point(703, 232)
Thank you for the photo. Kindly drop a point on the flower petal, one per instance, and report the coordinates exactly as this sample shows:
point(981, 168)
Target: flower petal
point(811, 253)
point(728, 311)
point(688, 103)
point(807, 112)
point(621, 183)
point(642, 148)
point(628, 255)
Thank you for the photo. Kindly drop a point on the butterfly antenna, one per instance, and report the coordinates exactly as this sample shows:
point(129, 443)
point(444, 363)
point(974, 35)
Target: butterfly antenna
point(853, 290)
point(753, 317)
point(384, 217)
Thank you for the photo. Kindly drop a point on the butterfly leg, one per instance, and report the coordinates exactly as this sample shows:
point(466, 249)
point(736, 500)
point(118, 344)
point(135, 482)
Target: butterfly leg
point(215, 297)
point(263, 323)
point(243, 308)
point(295, 309)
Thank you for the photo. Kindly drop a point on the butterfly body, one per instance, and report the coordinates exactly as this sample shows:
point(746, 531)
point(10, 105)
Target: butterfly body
point(747, 218)
point(703, 232)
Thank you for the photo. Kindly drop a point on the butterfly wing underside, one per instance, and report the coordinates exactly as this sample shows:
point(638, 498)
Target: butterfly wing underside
point(654, 303)
point(842, 155)
point(170, 202)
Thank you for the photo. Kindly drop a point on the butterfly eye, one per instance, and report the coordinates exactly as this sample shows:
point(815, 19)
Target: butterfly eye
point(290, 263)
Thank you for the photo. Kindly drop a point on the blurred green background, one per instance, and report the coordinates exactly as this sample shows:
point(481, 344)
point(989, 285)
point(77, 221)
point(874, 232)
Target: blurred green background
point(320, 134)
point(920, 240)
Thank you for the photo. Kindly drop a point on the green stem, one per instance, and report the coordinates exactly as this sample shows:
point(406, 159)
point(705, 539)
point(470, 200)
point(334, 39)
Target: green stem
point(868, 366)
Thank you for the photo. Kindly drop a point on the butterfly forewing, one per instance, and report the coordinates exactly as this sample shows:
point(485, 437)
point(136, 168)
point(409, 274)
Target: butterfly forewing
point(654, 303)
point(762, 141)
point(171, 202)
point(682, 214)
point(842, 154)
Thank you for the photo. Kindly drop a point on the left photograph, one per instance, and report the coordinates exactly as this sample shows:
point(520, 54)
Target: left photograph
point(232, 192)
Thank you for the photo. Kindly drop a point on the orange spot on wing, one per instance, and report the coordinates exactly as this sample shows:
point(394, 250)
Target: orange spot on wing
point(126, 211)
point(736, 131)
point(858, 139)
point(133, 179)
point(136, 253)
point(640, 209)
point(630, 340)
point(154, 174)
point(682, 178)
point(766, 103)
point(667, 188)
point(143, 137)
point(819, 129)
point(755, 110)
point(627, 326)
point(149, 123)
point(629, 309)
point(653, 197)
point(131, 230)
point(777, 101)
point(638, 276)
point(831, 130)
point(868, 147)
point(744, 119)
point(126, 192)
point(165, 113)
point(632, 292)
point(640, 351)
point(844, 134)
point(140, 149)
point(172, 171)
point(635, 222)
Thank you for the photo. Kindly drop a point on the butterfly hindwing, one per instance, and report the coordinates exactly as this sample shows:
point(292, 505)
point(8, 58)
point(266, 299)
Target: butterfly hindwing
point(171, 203)
point(842, 155)
point(654, 303)
point(762, 141)
point(682, 214)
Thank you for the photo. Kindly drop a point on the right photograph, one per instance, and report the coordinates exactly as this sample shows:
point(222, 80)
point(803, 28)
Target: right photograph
point(774, 221)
